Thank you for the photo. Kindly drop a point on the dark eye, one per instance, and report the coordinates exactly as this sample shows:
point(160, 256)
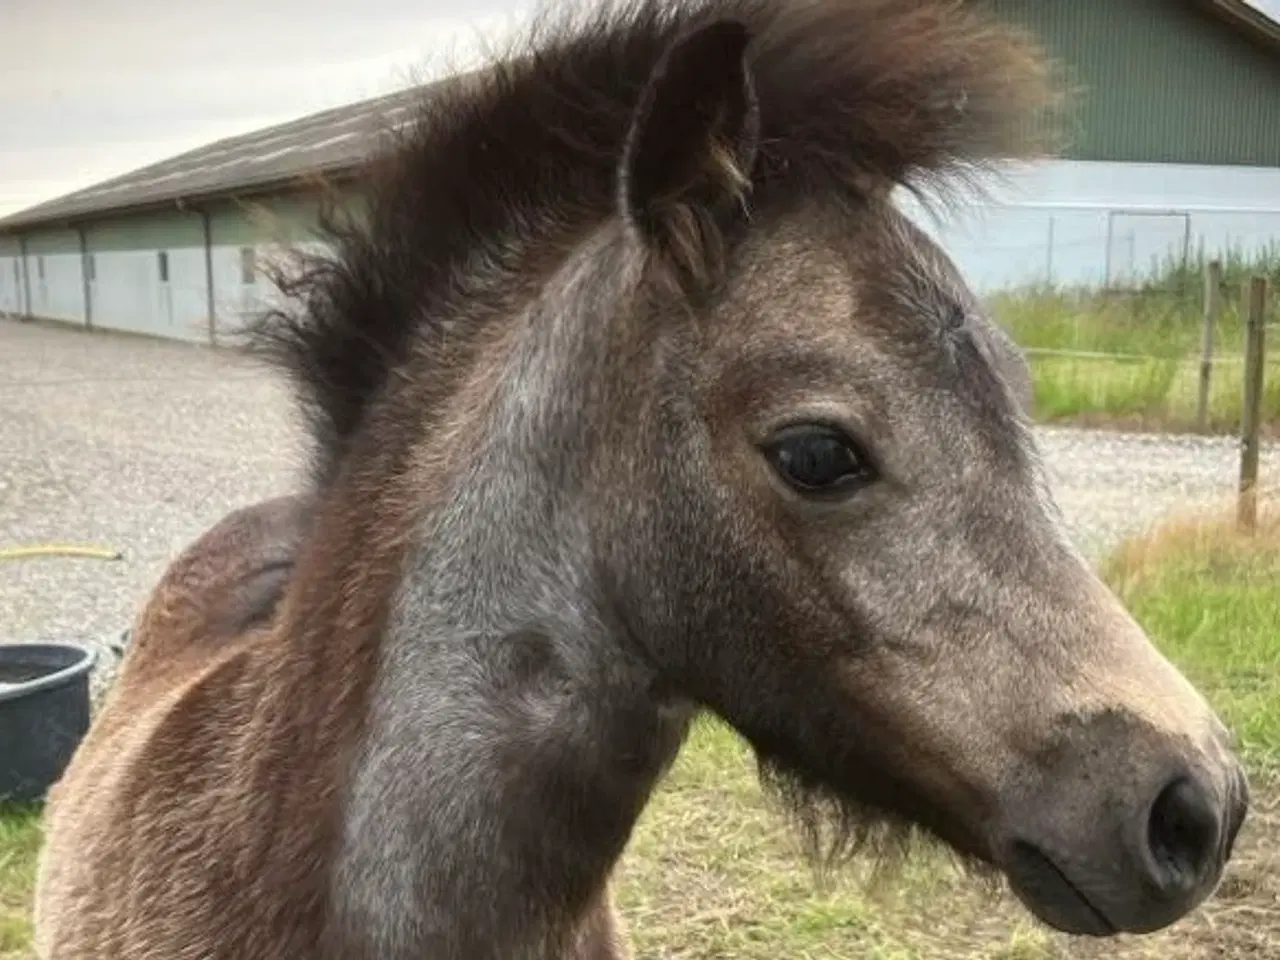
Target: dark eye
point(818, 459)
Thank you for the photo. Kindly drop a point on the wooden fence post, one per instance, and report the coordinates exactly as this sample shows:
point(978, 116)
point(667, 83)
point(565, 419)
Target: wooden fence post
point(1251, 416)
point(1212, 306)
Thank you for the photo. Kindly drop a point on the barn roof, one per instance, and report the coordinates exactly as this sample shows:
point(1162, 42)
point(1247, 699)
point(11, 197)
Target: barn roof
point(335, 142)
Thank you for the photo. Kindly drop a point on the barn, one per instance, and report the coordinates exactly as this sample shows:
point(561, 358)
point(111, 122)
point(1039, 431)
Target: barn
point(1175, 150)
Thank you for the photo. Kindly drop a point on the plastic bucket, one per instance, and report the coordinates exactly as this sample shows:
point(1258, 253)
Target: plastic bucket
point(44, 714)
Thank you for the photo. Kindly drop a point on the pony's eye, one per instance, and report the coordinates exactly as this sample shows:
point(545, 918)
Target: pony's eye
point(817, 459)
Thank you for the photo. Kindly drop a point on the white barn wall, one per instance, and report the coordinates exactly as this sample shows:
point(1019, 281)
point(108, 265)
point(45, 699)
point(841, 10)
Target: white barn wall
point(239, 298)
point(57, 286)
point(268, 230)
point(234, 300)
point(1068, 223)
point(1075, 223)
point(11, 297)
point(128, 294)
point(127, 288)
point(54, 284)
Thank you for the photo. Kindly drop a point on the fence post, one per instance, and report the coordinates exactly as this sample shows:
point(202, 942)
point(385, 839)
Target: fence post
point(1212, 306)
point(1251, 416)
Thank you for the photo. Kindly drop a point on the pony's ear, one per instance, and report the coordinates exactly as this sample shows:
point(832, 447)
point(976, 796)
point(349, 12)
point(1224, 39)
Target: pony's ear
point(693, 137)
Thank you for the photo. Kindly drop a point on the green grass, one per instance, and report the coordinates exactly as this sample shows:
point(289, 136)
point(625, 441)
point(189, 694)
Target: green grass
point(19, 841)
point(1212, 597)
point(714, 872)
point(1162, 322)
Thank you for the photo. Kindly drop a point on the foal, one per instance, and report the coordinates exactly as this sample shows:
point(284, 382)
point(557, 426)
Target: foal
point(635, 397)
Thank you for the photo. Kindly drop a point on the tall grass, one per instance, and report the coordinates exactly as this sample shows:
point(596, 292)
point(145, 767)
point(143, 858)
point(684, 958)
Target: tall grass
point(1152, 335)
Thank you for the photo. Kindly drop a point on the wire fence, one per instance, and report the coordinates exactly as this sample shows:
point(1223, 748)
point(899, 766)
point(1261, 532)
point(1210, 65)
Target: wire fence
point(1167, 349)
point(1167, 355)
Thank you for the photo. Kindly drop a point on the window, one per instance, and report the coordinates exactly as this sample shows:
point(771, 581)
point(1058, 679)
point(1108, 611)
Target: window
point(248, 265)
point(90, 268)
point(163, 259)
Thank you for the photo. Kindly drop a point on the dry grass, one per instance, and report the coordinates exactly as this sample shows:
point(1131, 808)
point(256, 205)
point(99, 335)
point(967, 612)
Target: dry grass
point(1211, 595)
point(714, 872)
point(1204, 539)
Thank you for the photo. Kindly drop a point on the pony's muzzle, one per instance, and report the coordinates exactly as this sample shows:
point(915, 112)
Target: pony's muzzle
point(1125, 847)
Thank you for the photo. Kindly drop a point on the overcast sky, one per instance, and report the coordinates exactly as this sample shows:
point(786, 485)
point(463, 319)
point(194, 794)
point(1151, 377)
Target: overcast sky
point(93, 88)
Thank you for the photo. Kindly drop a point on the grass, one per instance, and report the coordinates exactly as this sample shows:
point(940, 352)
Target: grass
point(714, 872)
point(1161, 322)
point(19, 841)
point(1212, 596)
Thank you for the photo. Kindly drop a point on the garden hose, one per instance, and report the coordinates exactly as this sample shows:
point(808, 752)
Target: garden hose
point(59, 550)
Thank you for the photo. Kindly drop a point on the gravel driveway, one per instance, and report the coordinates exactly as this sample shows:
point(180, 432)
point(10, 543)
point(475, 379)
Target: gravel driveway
point(140, 445)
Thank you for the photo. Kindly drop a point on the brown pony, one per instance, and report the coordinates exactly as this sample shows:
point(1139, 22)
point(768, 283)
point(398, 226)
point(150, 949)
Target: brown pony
point(633, 396)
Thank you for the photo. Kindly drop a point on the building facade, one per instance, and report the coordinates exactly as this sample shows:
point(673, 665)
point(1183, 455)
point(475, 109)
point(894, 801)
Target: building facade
point(1174, 150)
point(181, 275)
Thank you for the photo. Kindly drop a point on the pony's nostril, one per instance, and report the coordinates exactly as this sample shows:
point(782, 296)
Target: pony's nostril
point(1182, 836)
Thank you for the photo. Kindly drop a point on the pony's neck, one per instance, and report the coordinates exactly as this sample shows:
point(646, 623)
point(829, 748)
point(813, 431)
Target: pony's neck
point(514, 734)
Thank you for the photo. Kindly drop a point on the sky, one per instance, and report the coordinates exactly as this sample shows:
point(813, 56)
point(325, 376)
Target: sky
point(94, 88)
point(90, 89)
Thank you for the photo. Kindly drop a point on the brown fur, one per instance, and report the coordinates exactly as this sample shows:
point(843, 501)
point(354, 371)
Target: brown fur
point(170, 713)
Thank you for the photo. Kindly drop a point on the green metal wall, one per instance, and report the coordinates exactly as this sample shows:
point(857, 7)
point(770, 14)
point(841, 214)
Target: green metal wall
point(52, 242)
point(281, 219)
point(10, 247)
point(148, 231)
point(277, 219)
point(1162, 81)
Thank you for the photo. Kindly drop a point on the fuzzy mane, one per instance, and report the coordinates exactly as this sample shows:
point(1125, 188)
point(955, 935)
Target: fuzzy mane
point(504, 167)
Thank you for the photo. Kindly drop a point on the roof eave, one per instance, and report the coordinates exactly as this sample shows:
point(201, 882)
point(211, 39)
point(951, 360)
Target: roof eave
point(33, 219)
point(1247, 18)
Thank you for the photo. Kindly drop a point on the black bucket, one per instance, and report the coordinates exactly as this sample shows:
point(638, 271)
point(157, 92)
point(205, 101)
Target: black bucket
point(44, 714)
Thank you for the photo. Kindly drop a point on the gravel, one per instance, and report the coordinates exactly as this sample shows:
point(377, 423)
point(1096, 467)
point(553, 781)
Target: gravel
point(140, 445)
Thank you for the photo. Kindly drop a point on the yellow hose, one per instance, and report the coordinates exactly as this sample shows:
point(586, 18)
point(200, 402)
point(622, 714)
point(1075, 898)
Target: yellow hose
point(59, 550)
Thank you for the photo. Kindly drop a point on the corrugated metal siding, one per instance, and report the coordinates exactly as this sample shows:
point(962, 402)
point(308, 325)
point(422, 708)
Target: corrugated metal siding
point(158, 231)
point(1161, 81)
point(1093, 223)
point(53, 242)
point(148, 273)
point(55, 281)
point(282, 219)
point(11, 295)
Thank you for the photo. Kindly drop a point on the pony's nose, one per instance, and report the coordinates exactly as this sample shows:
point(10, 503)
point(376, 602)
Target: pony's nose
point(1182, 839)
point(1095, 873)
